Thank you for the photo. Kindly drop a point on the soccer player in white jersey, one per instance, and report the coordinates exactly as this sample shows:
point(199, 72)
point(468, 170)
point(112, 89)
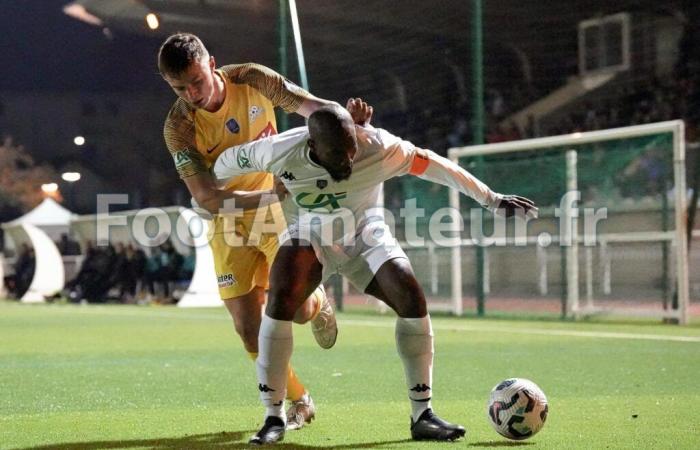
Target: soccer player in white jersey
point(333, 172)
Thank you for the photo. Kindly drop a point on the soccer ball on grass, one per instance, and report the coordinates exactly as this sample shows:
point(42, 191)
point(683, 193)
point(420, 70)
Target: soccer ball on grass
point(517, 408)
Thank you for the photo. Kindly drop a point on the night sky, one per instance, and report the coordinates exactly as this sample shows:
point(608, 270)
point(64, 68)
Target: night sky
point(41, 48)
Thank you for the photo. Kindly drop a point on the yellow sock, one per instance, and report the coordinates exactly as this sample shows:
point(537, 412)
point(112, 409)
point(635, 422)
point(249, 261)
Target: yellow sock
point(253, 355)
point(295, 390)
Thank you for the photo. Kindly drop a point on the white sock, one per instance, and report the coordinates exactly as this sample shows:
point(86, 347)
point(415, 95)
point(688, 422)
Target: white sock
point(414, 341)
point(274, 352)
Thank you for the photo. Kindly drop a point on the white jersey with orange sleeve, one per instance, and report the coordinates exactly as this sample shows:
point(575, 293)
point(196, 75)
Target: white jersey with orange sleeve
point(380, 156)
point(341, 220)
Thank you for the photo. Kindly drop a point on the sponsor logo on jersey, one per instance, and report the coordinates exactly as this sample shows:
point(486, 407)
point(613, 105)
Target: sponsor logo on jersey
point(232, 126)
point(243, 160)
point(226, 280)
point(319, 200)
point(254, 112)
point(181, 159)
point(269, 130)
point(209, 150)
point(288, 176)
point(321, 184)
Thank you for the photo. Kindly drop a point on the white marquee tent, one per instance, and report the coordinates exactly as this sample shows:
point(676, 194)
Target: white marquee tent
point(39, 228)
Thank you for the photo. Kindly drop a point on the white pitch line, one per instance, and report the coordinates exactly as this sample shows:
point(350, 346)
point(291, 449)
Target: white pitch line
point(438, 326)
point(536, 331)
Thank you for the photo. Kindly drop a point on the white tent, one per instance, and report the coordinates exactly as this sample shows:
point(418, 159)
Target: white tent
point(39, 228)
point(49, 216)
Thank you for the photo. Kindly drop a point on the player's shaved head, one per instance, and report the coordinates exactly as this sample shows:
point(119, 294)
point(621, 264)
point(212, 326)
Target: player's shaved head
point(332, 140)
point(330, 124)
point(178, 52)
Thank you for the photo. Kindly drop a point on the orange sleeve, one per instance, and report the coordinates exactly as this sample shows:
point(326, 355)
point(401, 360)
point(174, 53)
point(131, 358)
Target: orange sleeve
point(420, 163)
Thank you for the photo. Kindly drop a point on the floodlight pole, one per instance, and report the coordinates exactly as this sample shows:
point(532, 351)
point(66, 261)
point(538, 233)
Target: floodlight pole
point(478, 133)
point(282, 119)
point(297, 43)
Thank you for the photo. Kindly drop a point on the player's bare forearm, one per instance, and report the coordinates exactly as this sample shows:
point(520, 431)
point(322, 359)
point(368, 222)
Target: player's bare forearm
point(206, 193)
point(311, 104)
point(360, 111)
point(254, 199)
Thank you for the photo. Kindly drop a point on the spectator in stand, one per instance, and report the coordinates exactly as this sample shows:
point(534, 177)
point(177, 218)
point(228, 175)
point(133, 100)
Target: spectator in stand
point(118, 270)
point(128, 276)
point(459, 134)
point(138, 266)
point(170, 263)
point(152, 272)
point(24, 270)
point(100, 278)
point(187, 267)
point(67, 246)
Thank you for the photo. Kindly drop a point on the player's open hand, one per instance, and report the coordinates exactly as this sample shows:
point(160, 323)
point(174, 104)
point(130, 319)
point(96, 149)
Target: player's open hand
point(360, 111)
point(514, 205)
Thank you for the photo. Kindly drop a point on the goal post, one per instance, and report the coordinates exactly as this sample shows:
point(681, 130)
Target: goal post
point(605, 164)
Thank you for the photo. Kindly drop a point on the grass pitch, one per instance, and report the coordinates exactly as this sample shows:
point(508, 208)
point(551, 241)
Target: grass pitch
point(105, 377)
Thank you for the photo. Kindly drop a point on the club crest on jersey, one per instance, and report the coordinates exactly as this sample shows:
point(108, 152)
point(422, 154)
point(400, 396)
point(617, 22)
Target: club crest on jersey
point(232, 126)
point(254, 112)
point(321, 184)
point(226, 280)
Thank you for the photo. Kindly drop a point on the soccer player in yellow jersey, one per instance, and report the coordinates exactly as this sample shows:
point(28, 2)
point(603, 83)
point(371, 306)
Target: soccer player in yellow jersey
point(218, 108)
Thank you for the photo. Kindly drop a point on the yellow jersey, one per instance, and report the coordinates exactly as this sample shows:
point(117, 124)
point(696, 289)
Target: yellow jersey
point(195, 137)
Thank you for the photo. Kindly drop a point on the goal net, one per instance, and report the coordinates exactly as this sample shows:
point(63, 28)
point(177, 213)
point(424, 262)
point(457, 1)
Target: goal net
point(610, 237)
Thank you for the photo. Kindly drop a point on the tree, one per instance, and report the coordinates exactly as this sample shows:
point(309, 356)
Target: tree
point(20, 180)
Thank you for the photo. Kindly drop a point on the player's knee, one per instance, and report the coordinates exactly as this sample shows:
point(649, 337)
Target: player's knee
point(283, 302)
point(414, 307)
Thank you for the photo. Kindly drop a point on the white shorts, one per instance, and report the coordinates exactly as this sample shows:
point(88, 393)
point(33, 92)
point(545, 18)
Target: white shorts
point(357, 260)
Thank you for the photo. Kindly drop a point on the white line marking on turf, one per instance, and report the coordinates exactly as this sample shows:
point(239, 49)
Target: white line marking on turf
point(438, 326)
point(536, 331)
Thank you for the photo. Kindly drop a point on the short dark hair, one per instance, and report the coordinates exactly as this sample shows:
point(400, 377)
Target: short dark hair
point(328, 123)
point(178, 52)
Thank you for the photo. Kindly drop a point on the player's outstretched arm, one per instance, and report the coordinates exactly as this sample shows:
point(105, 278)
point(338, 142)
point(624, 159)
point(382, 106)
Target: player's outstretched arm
point(432, 167)
point(402, 157)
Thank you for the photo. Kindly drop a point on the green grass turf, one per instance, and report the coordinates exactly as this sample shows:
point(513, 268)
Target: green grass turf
point(98, 377)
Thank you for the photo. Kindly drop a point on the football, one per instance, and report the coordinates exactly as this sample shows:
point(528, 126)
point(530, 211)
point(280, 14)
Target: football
point(517, 408)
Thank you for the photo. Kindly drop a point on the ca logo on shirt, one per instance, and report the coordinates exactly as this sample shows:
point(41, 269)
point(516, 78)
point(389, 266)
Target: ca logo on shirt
point(181, 159)
point(320, 200)
point(242, 160)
